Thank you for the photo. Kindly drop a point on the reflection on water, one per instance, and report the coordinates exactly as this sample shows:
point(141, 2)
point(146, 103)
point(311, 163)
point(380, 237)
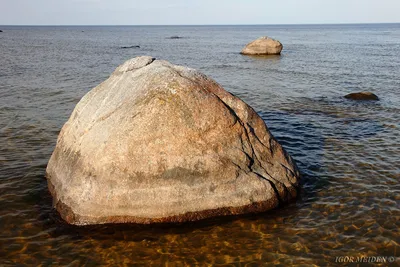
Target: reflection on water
point(269, 58)
point(347, 151)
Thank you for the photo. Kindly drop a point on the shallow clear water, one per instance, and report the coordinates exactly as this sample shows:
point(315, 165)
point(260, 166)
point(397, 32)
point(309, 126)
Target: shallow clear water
point(348, 152)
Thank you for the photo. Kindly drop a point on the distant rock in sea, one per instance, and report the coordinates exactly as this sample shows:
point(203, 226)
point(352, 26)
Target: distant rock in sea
point(1, 31)
point(158, 143)
point(362, 96)
point(263, 46)
point(132, 46)
point(175, 37)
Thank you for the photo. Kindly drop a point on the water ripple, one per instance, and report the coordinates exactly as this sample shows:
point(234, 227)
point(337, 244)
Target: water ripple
point(346, 151)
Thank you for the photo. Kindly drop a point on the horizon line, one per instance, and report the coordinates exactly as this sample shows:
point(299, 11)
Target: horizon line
point(138, 25)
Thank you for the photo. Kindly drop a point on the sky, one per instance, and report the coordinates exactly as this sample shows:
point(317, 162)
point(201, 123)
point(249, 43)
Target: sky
point(196, 12)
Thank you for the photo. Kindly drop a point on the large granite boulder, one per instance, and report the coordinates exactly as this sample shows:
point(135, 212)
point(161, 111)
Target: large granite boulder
point(159, 143)
point(263, 46)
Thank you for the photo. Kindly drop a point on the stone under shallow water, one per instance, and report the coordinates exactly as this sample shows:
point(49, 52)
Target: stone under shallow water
point(159, 143)
point(362, 96)
point(175, 37)
point(131, 46)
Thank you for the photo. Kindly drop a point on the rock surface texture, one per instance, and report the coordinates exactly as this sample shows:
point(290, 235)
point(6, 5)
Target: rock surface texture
point(159, 143)
point(362, 96)
point(263, 46)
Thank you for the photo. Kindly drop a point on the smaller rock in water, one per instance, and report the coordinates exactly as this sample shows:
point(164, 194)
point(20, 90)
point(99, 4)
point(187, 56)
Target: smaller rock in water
point(132, 46)
point(362, 96)
point(175, 37)
point(263, 46)
point(1, 31)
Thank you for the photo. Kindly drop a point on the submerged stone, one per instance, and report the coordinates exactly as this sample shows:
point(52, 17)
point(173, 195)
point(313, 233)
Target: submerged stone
point(132, 46)
point(362, 96)
point(175, 37)
point(159, 143)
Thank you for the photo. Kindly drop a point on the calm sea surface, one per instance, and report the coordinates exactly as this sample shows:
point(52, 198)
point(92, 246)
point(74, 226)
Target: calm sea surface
point(348, 152)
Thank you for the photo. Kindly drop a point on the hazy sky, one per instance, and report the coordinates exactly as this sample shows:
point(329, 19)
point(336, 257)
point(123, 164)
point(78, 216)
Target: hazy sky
point(164, 12)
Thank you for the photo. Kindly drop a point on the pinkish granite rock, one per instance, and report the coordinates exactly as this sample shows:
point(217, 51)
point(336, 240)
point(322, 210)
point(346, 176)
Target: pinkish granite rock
point(263, 46)
point(156, 143)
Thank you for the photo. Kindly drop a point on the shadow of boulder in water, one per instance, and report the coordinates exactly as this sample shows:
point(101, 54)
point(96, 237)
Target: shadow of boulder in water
point(148, 232)
point(305, 142)
point(315, 125)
